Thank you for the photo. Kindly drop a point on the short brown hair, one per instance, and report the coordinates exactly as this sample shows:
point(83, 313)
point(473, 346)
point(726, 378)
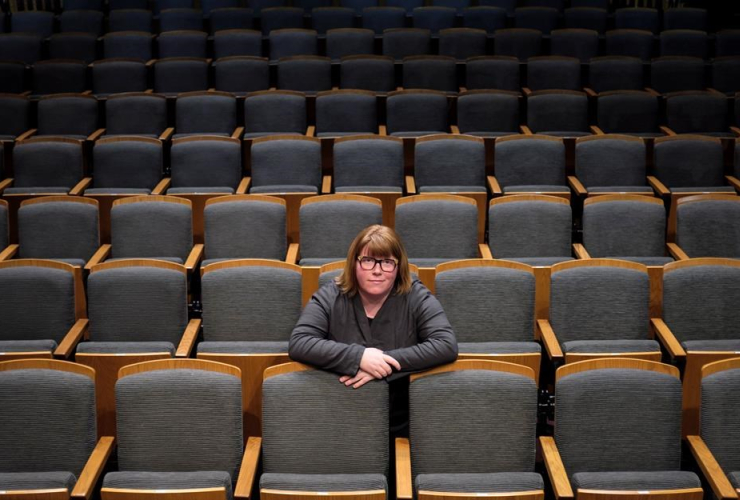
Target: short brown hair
point(380, 241)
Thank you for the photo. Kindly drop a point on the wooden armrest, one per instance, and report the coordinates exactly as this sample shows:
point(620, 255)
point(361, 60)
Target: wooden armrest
point(555, 468)
point(71, 339)
point(733, 181)
point(149, 91)
point(404, 490)
point(96, 135)
point(525, 130)
point(485, 251)
point(735, 130)
point(721, 486)
point(596, 130)
point(326, 184)
point(550, 341)
point(577, 186)
point(187, 342)
point(27, 134)
point(526, 91)
point(383, 130)
point(196, 254)
point(311, 131)
point(493, 185)
point(652, 91)
point(151, 62)
point(238, 133)
point(9, 252)
point(580, 251)
point(410, 185)
point(666, 338)
point(167, 134)
point(293, 252)
point(590, 92)
point(676, 252)
point(5, 183)
point(87, 92)
point(80, 187)
point(248, 468)
point(666, 130)
point(243, 186)
point(658, 186)
point(715, 91)
point(455, 129)
point(99, 256)
point(162, 186)
point(93, 468)
point(463, 89)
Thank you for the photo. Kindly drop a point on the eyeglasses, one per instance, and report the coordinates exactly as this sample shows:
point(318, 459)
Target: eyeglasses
point(369, 263)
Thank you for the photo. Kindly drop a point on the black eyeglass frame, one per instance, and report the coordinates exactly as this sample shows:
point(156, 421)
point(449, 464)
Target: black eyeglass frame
point(376, 262)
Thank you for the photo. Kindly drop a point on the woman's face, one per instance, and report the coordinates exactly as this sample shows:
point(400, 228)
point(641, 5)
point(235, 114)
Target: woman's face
point(375, 282)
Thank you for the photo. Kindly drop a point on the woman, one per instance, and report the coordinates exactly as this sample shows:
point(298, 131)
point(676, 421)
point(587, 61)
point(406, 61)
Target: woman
point(374, 321)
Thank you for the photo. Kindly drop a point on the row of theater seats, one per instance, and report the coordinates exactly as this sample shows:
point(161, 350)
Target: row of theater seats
point(241, 75)
point(472, 431)
point(343, 113)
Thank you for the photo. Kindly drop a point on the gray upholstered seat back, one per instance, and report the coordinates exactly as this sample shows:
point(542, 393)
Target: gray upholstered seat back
point(47, 164)
point(438, 229)
point(445, 162)
point(379, 19)
point(689, 163)
point(368, 162)
point(615, 73)
point(325, 18)
point(630, 43)
point(286, 161)
point(151, 229)
point(416, 111)
point(180, 420)
point(683, 42)
point(132, 44)
point(73, 46)
point(430, 72)
point(206, 163)
point(59, 229)
point(557, 112)
point(275, 112)
point(130, 18)
point(180, 74)
point(618, 420)
point(529, 229)
point(686, 18)
point(245, 230)
point(485, 17)
point(250, 303)
point(402, 42)
point(24, 288)
point(725, 73)
point(554, 72)
point(488, 112)
point(530, 162)
point(580, 43)
point(720, 427)
point(349, 41)
point(55, 77)
point(115, 76)
point(521, 43)
point(700, 302)
point(462, 43)
point(472, 421)
point(611, 162)
point(239, 74)
point(696, 112)
point(67, 115)
point(312, 424)
point(624, 229)
point(346, 112)
point(304, 73)
point(14, 115)
point(237, 42)
point(182, 44)
point(25, 47)
point(135, 114)
point(627, 112)
point(328, 227)
point(674, 74)
point(587, 15)
point(293, 42)
point(433, 18)
point(710, 228)
point(374, 73)
point(600, 303)
point(205, 113)
point(137, 304)
point(47, 421)
point(127, 164)
point(542, 19)
point(486, 304)
point(4, 236)
point(500, 73)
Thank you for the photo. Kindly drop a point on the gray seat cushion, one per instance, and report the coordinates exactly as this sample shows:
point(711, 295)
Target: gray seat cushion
point(239, 347)
point(539, 261)
point(620, 189)
point(491, 134)
point(176, 260)
point(368, 189)
point(452, 189)
point(648, 261)
point(563, 133)
point(72, 262)
point(125, 347)
point(734, 478)
point(498, 347)
point(339, 134)
point(500, 482)
point(429, 262)
point(537, 188)
point(168, 480)
point(193, 190)
point(712, 345)
point(117, 191)
point(710, 189)
point(657, 480)
point(27, 345)
point(319, 261)
point(610, 346)
point(36, 190)
point(323, 482)
point(283, 188)
point(254, 135)
point(417, 133)
point(36, 480)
